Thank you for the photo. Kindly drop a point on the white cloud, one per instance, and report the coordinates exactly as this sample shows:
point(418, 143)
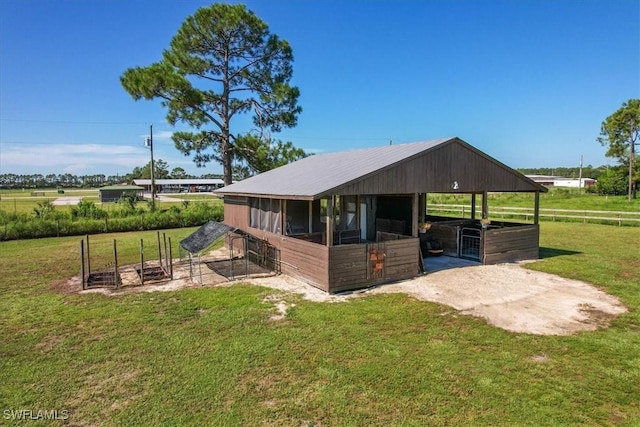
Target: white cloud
point(70, 158)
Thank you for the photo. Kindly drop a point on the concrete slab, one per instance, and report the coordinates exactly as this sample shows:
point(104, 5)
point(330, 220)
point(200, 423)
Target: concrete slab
point(443, 262)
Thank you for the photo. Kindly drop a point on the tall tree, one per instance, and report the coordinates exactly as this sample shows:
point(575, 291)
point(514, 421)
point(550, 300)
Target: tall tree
point(222, 63)
point(621, 132)
point(178, 173)
point(256, 155)
point(160, 170)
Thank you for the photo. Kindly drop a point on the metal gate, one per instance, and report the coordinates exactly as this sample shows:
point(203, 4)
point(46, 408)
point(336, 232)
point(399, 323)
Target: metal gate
point(470, 243)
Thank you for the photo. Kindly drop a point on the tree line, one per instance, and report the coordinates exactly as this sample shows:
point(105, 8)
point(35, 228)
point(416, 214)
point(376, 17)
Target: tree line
point(67, 180)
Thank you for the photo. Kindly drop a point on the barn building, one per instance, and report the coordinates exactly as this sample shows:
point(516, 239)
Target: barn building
point(186, 185)
point(113, 193)
point(353, 219)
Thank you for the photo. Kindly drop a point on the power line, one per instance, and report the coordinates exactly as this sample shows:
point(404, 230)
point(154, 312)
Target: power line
point(74, 122)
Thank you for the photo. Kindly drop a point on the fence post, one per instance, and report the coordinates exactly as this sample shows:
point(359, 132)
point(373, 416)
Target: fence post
point(141, 261)
point(115, 262)
point(170, 260)
point(84, 285)
point(88, 257)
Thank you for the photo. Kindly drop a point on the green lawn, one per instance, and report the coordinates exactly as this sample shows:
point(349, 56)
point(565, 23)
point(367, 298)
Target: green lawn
point(558, 198)
point(19, 201)
point(212, 356)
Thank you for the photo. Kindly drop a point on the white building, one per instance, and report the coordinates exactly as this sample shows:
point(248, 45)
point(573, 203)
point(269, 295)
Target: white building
point(558, 181)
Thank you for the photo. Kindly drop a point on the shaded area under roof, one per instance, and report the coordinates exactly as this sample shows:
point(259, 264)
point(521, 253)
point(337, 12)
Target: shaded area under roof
point(204, 236)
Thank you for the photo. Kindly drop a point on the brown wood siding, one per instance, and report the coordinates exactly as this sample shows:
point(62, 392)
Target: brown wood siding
point(436, 171)
point(511, 244)
point(236, 215)
point(402, 261)
point(351, 266)
point(304, 260)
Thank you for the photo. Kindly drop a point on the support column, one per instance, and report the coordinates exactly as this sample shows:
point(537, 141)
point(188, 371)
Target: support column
point(422, 200)
point(414, 216)
point(536, 209)
point(284, 221)
point(485, 205)
point(310, 216)
point(329, 218)
point(473, 206)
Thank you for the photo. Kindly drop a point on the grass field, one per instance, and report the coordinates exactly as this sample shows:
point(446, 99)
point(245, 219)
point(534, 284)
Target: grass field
point(212, 356)
point(21, 201)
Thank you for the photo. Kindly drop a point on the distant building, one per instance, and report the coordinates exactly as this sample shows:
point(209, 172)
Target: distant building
point(113, 193)
point(194, 185)
point(559, 181)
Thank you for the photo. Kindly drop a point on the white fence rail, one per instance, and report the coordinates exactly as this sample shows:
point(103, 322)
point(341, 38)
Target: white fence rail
point(553, 214)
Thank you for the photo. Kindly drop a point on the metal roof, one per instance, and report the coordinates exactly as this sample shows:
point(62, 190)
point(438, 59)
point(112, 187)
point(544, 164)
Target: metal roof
point(121, 187)
point(316, 175)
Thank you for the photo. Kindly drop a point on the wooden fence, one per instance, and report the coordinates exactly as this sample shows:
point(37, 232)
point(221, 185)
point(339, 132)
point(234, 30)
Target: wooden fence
point(553, 214)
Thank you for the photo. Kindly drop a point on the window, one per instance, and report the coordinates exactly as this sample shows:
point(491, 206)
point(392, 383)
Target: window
point(264, 214)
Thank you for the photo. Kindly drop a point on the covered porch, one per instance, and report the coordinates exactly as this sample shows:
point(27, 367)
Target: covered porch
point(355, 219)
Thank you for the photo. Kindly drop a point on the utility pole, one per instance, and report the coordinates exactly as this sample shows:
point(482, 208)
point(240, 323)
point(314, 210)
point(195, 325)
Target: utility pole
point(153, 181)
point(580, 176)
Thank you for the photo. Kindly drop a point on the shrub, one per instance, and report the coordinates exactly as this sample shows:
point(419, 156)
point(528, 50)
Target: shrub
point(86, 218)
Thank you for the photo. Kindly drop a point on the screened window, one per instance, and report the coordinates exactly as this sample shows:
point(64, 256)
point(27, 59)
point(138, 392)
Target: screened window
point(264, 214)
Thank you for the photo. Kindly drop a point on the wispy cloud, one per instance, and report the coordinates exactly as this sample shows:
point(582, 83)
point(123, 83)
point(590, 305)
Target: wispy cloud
point(71, 158)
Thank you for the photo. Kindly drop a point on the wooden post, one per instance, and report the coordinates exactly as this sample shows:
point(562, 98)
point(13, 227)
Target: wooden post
point(310, 216)
point(170, 260)
point(141, 261)
point(414, 216)
point(115, 263)
point(485, 205)
point(88, 257)
point(473, 206)
point(426, 206)
point(84, 283)
point(284, 221)
point(536, 209)
point(422, 215)
point(230, 259)
point(329, 228)
point(159, 249)
point(166, 254)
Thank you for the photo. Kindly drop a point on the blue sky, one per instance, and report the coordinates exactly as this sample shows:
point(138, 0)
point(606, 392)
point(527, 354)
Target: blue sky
point(528, 82)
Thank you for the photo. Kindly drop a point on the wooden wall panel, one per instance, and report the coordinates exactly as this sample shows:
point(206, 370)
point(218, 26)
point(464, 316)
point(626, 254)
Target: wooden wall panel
point(236, 215)
point(402, 261)
point(348, 267)
point(511, 244)
point(304, 260)
point(437, 170)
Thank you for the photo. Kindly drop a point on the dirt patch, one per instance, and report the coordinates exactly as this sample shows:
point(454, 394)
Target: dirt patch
point(66, 201)
point(507, 296)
